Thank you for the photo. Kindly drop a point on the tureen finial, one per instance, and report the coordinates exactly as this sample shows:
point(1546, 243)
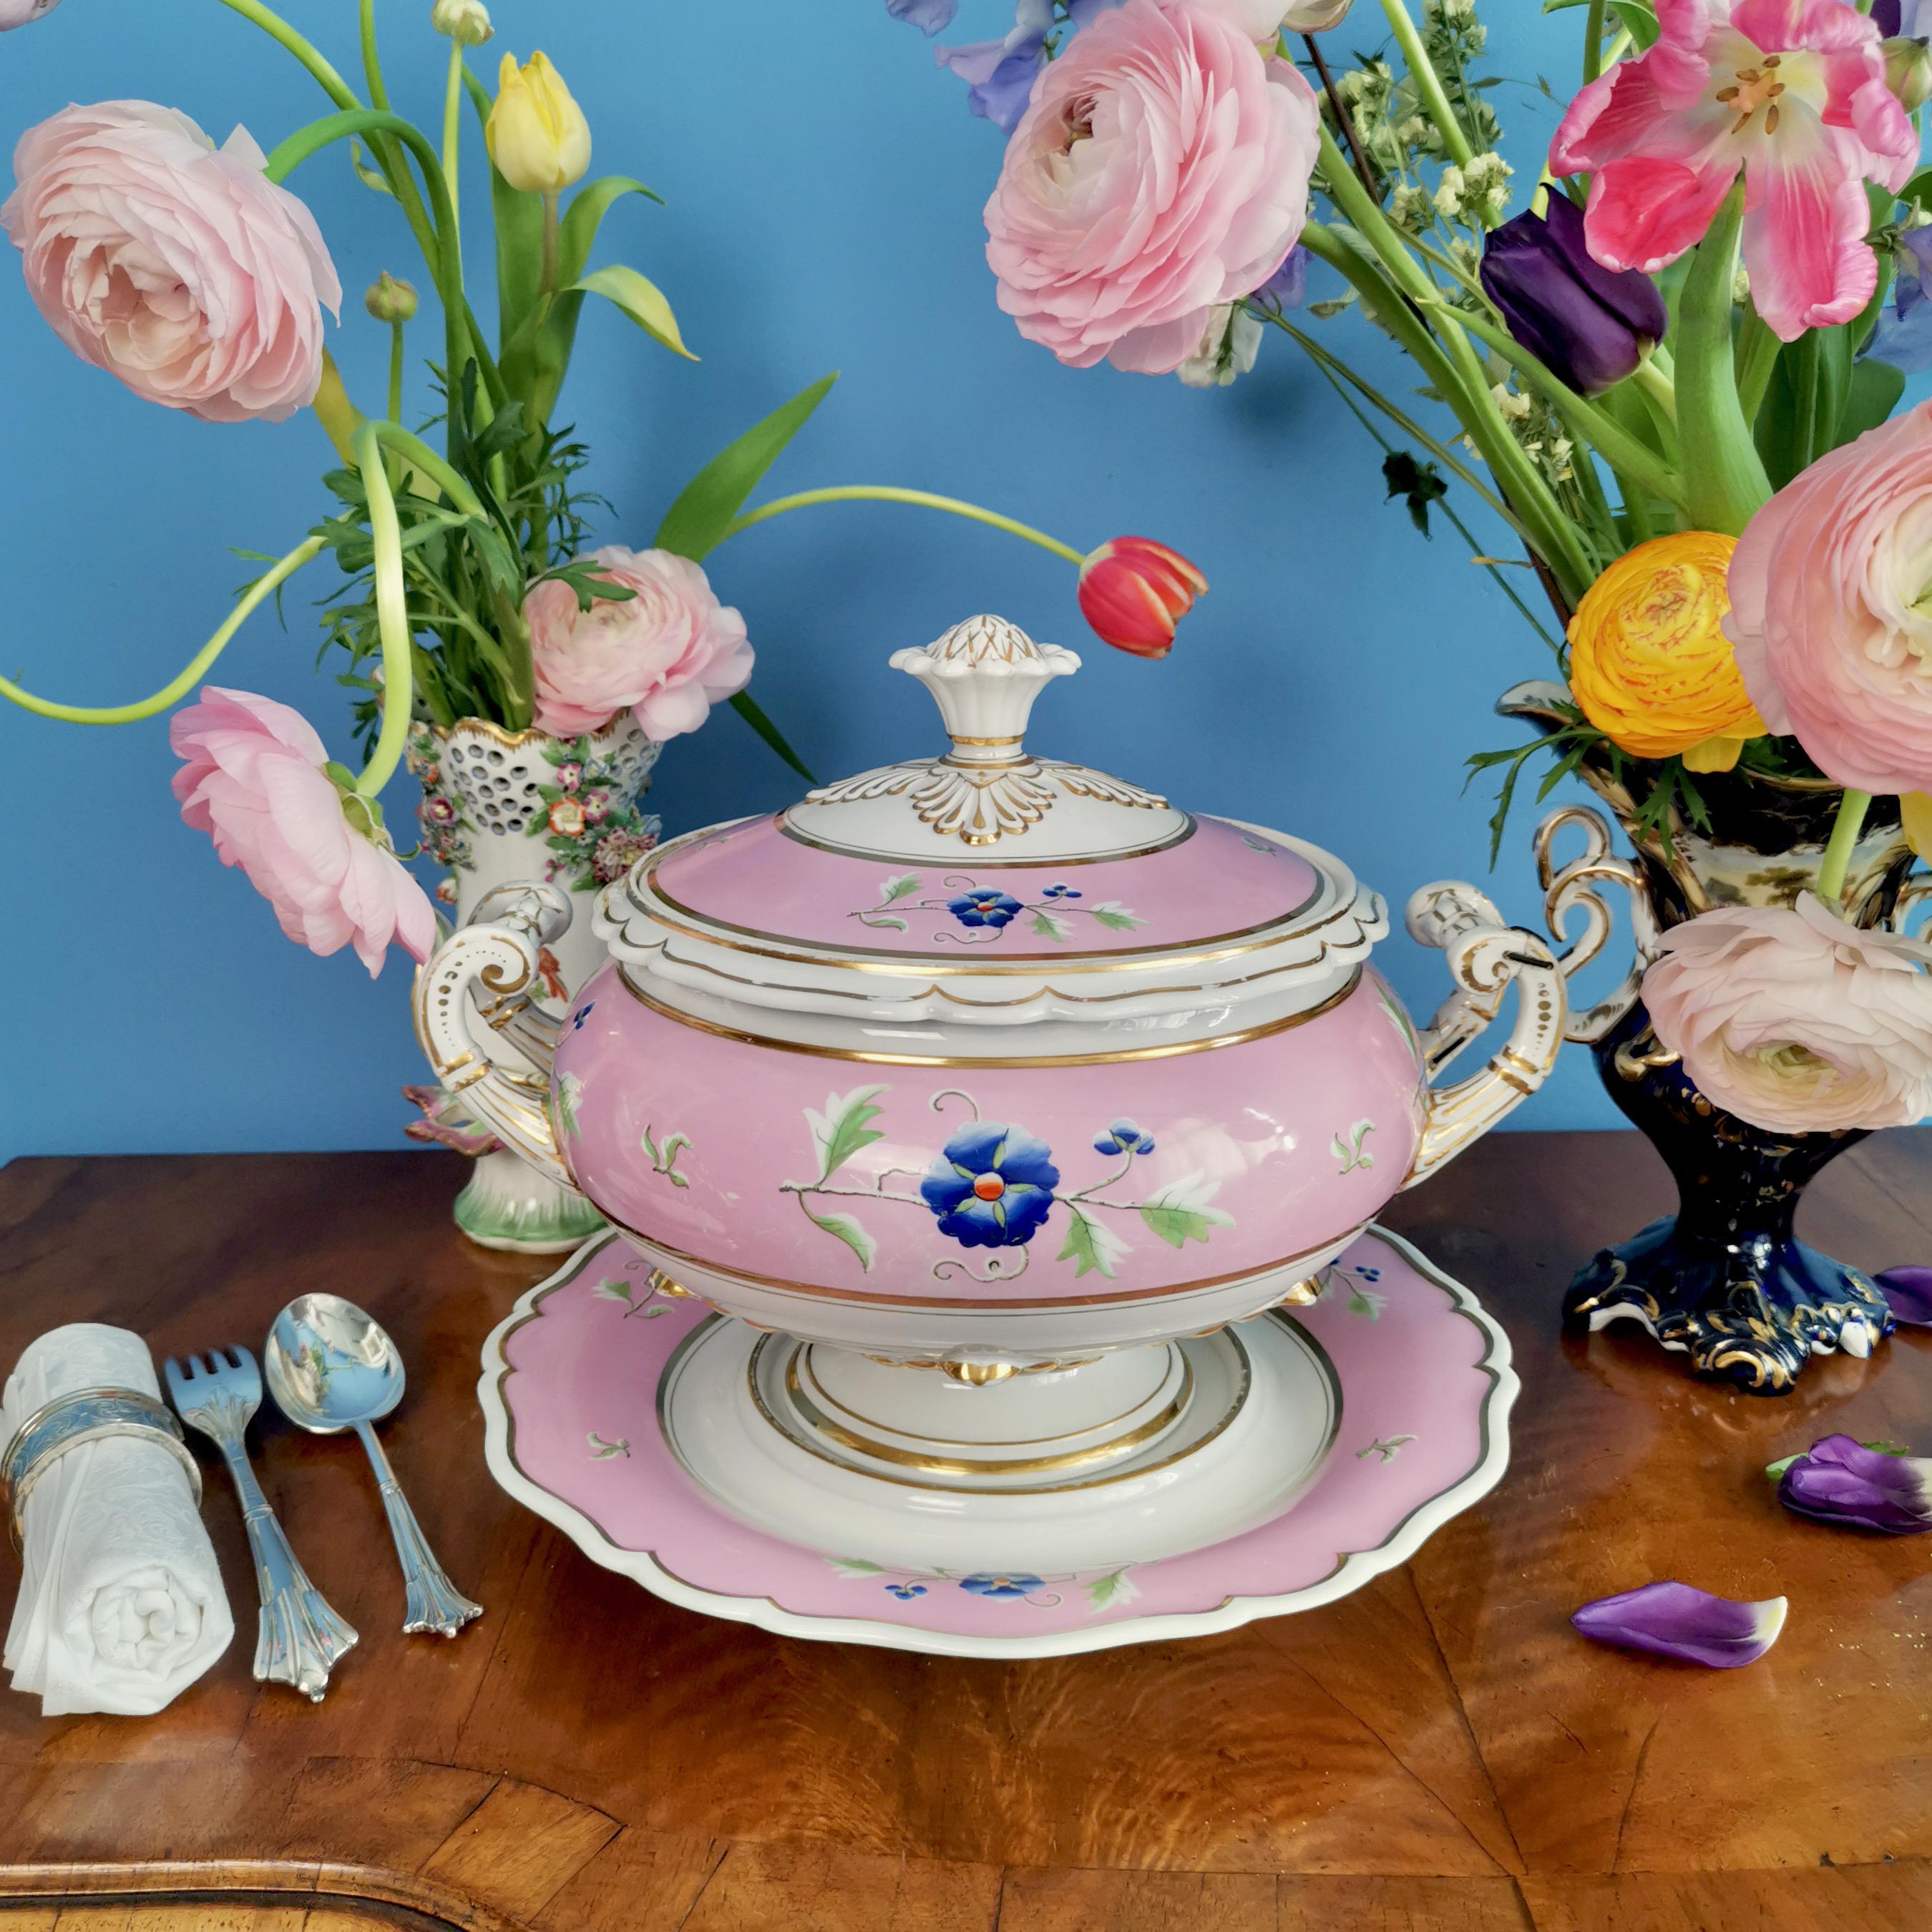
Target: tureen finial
point(984, 675)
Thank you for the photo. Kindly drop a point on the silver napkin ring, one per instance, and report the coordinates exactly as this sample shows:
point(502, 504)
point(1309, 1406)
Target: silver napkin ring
point(87, 1415)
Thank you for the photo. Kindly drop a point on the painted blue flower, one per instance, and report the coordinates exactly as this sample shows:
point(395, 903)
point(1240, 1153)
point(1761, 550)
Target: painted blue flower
point(1060, 892)
point(984, 905)
point(582, 1014)
point(1123, 1137)
point(1019, 1584)
point(905, 1592)
point(992, 1186)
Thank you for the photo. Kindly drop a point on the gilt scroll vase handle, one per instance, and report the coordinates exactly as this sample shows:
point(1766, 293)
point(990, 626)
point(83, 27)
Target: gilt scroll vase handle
point(1486, 957)
point(474, 996)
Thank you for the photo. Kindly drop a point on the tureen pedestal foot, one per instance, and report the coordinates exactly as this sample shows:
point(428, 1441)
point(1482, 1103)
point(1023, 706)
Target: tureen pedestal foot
point(1137, 1454)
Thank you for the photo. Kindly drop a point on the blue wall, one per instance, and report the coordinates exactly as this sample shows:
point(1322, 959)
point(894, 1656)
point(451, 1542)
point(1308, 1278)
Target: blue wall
point(824, 183)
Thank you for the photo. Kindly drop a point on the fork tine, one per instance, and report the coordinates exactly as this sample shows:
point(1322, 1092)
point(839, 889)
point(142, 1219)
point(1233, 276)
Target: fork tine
point(243, 1358)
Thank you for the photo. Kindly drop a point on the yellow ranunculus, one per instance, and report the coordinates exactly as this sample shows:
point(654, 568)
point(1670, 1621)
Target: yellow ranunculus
point(537, 134)
point(1649, 662)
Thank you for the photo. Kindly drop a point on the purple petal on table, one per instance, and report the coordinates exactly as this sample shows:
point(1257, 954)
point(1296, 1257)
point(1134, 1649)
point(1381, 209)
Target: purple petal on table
point(1909, 1292)
point(1839, 1481)
point(1678, 1620)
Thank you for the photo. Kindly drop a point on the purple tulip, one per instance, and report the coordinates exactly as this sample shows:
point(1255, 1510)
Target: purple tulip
point(1908, 1292)
point(1587, 324)
point(1676, 1620)
point(929, 16)
point(1867, 1485)
point(1912, 19)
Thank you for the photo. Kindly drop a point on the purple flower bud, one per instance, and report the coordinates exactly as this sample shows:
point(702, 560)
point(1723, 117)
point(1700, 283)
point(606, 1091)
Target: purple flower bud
point(1839, 1481)
point(1908, 1292)
point(1587, 324)
point(1678, 1620)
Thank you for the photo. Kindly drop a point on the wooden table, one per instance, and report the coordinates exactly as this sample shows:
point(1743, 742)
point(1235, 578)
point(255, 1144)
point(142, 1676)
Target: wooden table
point(1439, 1751)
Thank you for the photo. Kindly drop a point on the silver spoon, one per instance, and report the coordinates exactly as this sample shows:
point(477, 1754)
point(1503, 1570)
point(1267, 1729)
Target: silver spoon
point(331, 1367)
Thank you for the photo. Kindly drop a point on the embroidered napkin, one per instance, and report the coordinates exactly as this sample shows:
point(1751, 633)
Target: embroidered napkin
point(121, 1605)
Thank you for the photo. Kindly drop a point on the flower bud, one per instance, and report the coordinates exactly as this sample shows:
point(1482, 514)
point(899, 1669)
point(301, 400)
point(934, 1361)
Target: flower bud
point(537, 134)
point(1908, 71)
point(390, 298)
point(1133, 591)
point(467, 21)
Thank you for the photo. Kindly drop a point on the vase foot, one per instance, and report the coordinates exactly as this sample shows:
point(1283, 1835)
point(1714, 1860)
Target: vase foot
point(1751, 1319)
point(508, 1205)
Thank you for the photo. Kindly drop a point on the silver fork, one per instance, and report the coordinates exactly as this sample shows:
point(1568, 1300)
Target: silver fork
point(300, 1637)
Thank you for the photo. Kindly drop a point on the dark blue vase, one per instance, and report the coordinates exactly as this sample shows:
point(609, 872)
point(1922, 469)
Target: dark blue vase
point(1725, 1279)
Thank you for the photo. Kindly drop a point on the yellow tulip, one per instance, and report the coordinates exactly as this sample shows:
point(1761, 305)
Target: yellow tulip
point(537, 134)
point(1649, 663)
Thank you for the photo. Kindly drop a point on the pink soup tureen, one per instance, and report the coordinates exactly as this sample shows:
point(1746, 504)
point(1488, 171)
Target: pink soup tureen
point(987, 1097)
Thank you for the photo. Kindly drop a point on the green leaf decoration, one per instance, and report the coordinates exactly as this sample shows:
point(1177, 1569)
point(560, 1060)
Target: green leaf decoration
point(1102, 1592)
point(576, 233)
point(854, 1566)
point(1048, 927)
point(640, 298)
point(1086, 1245)
point(611, 1289)
point(845, 1127)
point(903, 887)
point(1115, 917)
point(1177, 1226)
point(890, 920)
point(748, 708)
point(849, 1232)
point(696, 523)
point(1361, 1302)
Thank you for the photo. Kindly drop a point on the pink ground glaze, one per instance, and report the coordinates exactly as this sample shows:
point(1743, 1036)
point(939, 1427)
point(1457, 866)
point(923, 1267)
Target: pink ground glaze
point(1419, 1402)
point(1267, 1126)
point(1219, 880)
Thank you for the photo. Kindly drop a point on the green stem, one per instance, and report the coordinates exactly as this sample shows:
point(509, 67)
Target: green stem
point(546, 282)
point(1851, 820)
point(1593, 42)
point(452, 143)
point(396, 358)
point(1757, 353)
point(177, 687)
point(425, 459)
point(1658, 386)
point(1724, 478)
point(272, 24)
point(1428, 82)
point(372, 61)
point(881, 493)
point(392, 617)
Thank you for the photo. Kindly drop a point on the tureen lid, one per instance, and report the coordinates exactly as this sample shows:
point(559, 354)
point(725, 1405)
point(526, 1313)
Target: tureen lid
point(989, 887)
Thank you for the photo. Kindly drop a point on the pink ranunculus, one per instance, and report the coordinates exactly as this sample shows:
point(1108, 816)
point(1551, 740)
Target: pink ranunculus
point(18, 12)
point(1792, 92)
point(668, 653)
point(180, 268)
point(1828, 619)
point(253, 779)
point(1161, 169)
point(1796, 1022)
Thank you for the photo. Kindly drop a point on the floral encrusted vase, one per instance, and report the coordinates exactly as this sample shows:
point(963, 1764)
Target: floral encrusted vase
point(1724, 1280)
point(498, 807)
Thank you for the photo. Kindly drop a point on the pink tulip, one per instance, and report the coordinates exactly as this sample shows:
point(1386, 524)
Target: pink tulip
point(179, 268)
point(253, 779)
point(1793, 93)
point(667, 653)
point(1828, 618)
point(1161, 170)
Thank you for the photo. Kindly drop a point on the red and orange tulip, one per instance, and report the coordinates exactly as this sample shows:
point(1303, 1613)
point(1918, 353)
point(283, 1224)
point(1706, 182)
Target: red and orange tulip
point(1133, 591)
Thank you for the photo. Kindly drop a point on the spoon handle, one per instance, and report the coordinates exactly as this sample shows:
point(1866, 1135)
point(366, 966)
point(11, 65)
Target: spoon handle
point(434, 1603)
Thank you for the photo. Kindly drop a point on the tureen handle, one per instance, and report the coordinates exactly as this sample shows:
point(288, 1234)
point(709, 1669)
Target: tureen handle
point(485, 971)
point(1487, 956)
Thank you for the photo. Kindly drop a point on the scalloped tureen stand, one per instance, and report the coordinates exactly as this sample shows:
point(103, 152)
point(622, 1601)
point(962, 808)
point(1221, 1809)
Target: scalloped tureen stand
point(987, 1093)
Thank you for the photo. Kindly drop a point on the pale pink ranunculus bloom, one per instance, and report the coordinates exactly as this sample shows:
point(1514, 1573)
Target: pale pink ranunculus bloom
point(1796, 1022)
point(18, 12)
point(1831, 635)
point(180, 268)
point(668, 654)
point(1791, 91)
point(1161, 170)
point(252, 778)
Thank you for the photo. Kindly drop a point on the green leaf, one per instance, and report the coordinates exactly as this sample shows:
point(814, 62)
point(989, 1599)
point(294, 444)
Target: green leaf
point(855, 1566)
point(1114, 1587)
point(1639, 20)
point(1361, 1302)
point(843, 1133)
point(696, 523)
point(849, 1232)
point(902, 886)
point(1086, 1245)
point(1114, 918)
point(576, 233)
point(1048, 927)
point(1176, 1226)
point(369, 175)
point(1875, 391)
point(641, 298)
point(748, 708)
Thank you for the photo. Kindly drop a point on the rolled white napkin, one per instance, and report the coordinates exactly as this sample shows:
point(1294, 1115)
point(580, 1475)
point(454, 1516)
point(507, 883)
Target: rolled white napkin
point(121, 1605)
